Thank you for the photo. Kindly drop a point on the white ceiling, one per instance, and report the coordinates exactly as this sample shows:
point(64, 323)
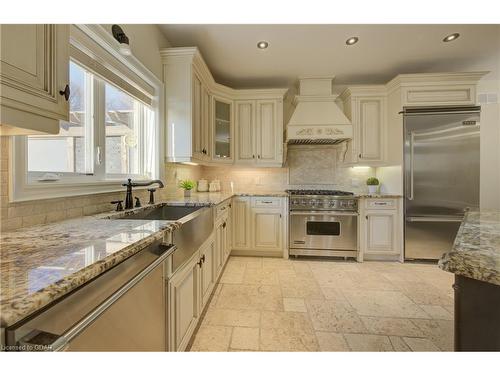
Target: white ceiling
point(383, 51)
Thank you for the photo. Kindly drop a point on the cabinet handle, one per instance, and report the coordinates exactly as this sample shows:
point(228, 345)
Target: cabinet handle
point(200, 263)
point(280, 216)
point(366, 217)
point(202, 259)
point(65, 93)
point(266, 202)
point(224, 225)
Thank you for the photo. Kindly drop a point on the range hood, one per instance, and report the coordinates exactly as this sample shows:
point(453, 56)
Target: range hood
point(317, 119)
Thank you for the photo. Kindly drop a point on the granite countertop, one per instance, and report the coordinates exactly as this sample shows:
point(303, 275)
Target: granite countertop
point(42, 263)
point(476, 251)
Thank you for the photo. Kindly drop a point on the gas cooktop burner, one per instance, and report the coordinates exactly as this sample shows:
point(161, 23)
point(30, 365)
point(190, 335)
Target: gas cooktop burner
point(319, 192)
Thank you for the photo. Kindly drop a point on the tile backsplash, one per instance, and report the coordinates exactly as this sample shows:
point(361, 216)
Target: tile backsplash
point(307, 167)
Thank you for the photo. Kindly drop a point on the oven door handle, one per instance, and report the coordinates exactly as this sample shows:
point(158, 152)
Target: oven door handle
point(326, 213)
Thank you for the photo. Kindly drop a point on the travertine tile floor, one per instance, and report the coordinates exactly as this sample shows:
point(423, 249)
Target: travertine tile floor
point(269, 304)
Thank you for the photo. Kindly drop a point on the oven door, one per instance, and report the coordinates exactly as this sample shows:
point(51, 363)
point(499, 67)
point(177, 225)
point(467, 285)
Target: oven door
point(324, 230)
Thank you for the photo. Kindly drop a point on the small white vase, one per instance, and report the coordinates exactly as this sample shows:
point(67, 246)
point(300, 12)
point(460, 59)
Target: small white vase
point(187, 193)
point(372, 189)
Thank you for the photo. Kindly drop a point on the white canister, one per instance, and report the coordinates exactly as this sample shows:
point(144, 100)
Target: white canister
point(202, 185)
point(214, 186)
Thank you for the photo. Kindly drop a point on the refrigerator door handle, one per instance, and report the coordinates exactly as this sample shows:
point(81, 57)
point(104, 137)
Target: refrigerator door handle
point(410, 193)
point(434, 219)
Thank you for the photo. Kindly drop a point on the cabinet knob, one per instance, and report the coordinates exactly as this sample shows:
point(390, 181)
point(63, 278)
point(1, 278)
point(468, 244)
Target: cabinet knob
point(366, 217)
point(253, 156)
point(258, 156)
point(65, 93)
point(224, 225)
point(359, 156)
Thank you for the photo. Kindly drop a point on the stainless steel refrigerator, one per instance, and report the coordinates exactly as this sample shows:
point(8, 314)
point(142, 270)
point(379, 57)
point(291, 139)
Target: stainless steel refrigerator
point(441, 176)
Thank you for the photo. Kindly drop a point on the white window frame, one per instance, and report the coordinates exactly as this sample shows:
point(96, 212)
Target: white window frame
point(24, 188)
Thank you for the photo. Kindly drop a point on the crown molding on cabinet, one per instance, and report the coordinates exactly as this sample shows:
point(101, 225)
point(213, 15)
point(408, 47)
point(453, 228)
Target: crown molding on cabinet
point(432, 79)
point(185, 54)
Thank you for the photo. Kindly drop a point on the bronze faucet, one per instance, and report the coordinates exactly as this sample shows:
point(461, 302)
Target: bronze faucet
point(129, 202)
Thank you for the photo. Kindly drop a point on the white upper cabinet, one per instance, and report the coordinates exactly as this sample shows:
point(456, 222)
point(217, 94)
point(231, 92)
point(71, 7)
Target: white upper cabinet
point(34, 70)
point(259, 132)
point(245, 120)
point(209, 123)
point(222, 130)
point(365, 106)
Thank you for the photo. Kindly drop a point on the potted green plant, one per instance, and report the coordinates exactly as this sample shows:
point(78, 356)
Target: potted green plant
point(187, 185)
point(373, 184)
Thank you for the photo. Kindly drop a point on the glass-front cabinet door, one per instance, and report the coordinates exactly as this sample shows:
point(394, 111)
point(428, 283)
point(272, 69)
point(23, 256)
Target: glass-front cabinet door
point(222, 130)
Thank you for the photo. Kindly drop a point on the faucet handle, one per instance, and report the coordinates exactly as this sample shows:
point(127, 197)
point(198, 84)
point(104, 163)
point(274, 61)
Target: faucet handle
point(137, 202)
point(151, 195)
point(119, 206)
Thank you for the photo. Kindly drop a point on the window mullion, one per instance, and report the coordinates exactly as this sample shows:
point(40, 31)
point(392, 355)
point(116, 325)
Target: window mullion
point(99, 129)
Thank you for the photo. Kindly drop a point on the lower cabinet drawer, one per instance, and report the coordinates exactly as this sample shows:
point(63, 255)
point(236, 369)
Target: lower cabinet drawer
point(266, 202)
point(222, 208)
point(381, 204)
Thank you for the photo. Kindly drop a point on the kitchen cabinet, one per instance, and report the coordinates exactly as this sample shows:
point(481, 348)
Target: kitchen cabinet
point(241, 223)
point(208, 275)
point(258, 225)
point(267, 233)
point(223, 246)
point(366, 108)
point(184, 304)
point(212, 124)
point(259, 132)
point(380, 229)
point(222, 130)
point(34, 66)
point(189, 290)
point(201, 120)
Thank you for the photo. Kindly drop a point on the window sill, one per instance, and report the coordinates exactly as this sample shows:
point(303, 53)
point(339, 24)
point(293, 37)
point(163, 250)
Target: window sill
point(58, 189)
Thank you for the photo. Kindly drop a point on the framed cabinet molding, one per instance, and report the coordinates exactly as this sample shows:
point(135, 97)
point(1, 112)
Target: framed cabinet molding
point(259, 132)
point(222, 130)
point(381, 229)
point(258, 226)
point(245, 126)
point(366, 107)
point(34, 70)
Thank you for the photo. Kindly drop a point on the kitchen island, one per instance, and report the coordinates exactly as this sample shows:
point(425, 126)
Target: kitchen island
point(475, 261)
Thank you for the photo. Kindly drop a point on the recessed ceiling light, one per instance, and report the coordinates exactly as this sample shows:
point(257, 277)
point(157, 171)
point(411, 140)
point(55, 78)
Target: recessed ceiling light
point(352, 40)
point(262, 44)
point(451, 37)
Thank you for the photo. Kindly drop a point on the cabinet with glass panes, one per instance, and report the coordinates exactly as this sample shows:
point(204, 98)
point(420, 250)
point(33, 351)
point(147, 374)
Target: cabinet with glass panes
point(222, 135)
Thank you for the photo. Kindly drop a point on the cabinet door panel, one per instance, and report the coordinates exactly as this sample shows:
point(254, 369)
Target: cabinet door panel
point(267, 139)
point(207, 271)
point(267, 229)
point(183, 304)
point(370, 128)
point(380, 235)
point(245, 129)
point(34, 67)
point(241, 223)
point(197, 119)
point(205, 121)
point(219, 248)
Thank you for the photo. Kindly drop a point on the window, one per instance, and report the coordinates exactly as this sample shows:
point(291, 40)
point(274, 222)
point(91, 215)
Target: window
point(110, 136)
point(71, 149)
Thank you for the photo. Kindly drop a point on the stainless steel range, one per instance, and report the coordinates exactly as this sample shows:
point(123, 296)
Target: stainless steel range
point(323, 223)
